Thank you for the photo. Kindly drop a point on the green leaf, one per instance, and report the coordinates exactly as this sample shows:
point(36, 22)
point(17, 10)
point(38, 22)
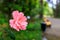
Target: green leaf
point(17, 7)
point(0, 33)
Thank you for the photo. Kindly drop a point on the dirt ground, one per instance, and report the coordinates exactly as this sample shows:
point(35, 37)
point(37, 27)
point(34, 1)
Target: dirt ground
point(52, 37)
point(54, 32)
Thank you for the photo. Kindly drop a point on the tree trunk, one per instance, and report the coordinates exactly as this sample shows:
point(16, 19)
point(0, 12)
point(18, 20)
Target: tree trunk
point(41, 14)
point(57, 12)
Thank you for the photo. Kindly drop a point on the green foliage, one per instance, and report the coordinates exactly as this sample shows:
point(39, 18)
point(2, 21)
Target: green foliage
point(28, 35)
point(0, 34)
point(34, 26)
point(35, 11)
point(47, 10)
point(29, 7)
point(10, 34)
point(17, 7)
point(3, 18)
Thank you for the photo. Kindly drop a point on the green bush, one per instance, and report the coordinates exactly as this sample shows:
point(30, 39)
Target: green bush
point(34, 25)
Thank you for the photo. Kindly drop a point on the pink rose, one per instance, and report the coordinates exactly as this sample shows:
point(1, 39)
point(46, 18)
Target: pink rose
point(19, 21)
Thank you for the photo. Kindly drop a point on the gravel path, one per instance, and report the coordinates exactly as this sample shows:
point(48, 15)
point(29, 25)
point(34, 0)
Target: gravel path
point(54, 32)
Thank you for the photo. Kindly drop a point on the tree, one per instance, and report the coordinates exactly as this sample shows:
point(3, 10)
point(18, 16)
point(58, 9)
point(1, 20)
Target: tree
point(41, 14)
point(57, 11)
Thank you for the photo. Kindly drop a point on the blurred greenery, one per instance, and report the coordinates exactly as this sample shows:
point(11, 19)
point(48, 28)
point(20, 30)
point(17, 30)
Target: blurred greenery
point(3, 18)
point(23, 35)
point(33, 32)
point(34, 25)
point(32, 8)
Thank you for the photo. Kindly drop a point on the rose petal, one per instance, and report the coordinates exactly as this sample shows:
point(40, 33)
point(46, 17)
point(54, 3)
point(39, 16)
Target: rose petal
point(15, 14)
point(11, 21)
point(19, 21)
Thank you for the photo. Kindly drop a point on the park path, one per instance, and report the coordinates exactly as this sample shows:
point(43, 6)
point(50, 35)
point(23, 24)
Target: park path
point(54, 32)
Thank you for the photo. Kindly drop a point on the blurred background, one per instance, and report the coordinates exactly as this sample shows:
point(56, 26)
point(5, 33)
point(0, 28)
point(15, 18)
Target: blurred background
point(34, 10)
